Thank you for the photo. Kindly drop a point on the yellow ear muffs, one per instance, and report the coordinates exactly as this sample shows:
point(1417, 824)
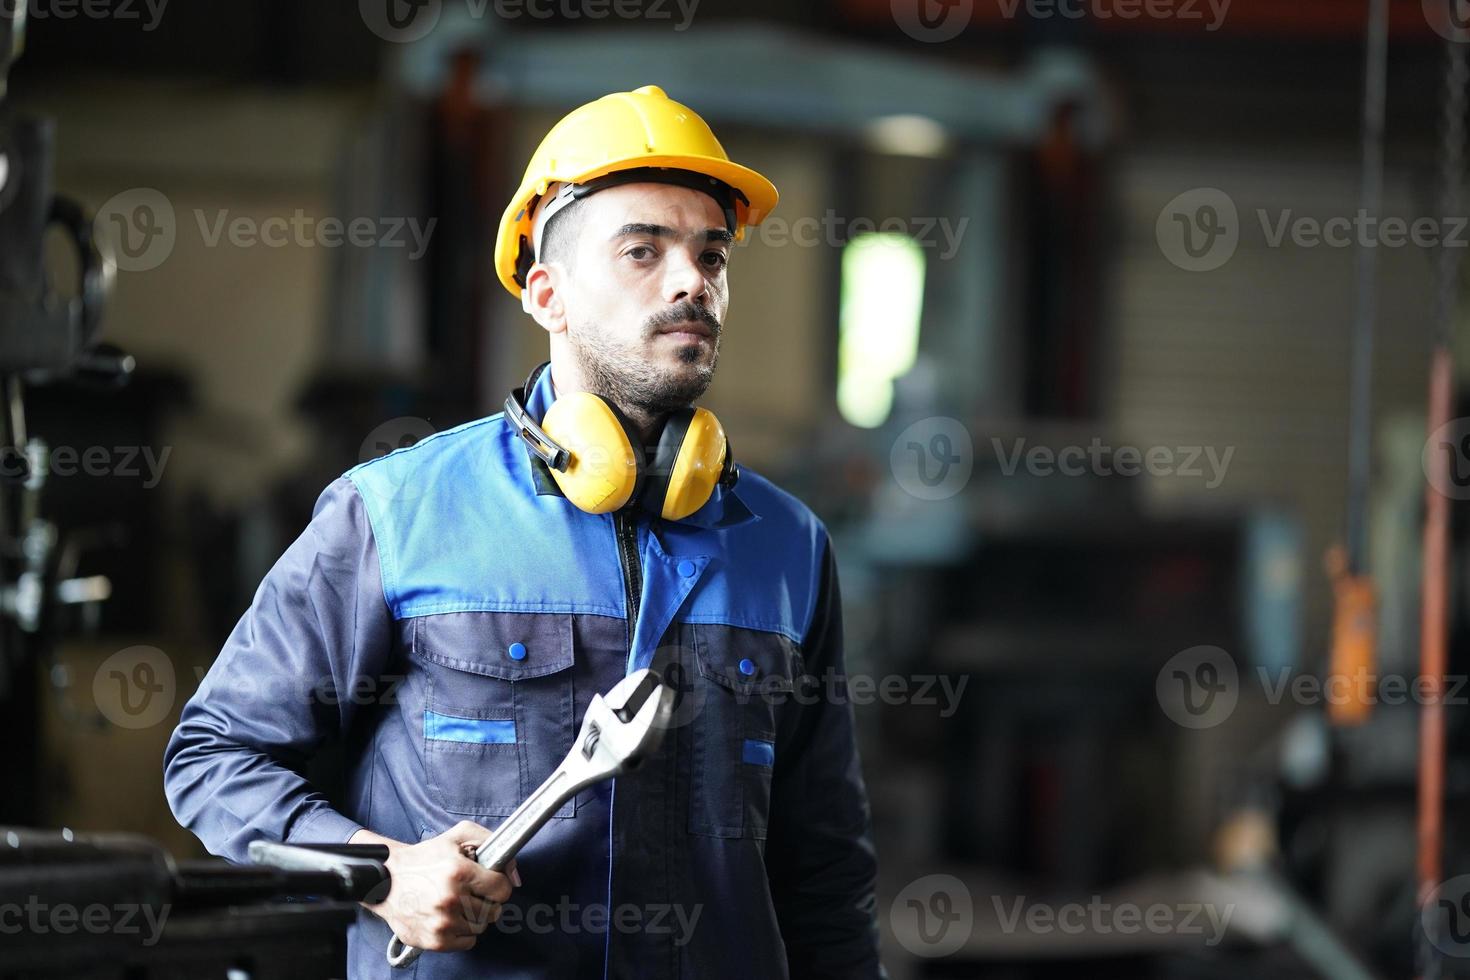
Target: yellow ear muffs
point(691, 460)
point(602, 468)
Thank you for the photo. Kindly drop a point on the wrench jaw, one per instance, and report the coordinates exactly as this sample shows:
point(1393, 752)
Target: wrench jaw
point(624, 726)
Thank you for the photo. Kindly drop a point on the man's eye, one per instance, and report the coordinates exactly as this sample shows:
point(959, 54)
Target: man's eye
point(716, 260)
point(640, 252)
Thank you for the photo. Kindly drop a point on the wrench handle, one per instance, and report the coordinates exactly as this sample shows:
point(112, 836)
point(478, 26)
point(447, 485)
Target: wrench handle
point(400, 954)
point(506, 841)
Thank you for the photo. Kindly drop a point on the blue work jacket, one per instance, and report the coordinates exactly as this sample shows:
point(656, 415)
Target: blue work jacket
point(448, 615)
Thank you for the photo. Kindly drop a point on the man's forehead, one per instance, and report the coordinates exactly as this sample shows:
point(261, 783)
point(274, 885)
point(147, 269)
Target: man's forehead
point(681, 208)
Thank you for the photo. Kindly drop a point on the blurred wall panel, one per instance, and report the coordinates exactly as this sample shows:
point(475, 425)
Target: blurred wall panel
point(245, 321)
point(1253, 355)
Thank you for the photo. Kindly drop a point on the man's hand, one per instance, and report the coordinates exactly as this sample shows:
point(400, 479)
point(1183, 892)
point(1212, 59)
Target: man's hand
point(440, 899)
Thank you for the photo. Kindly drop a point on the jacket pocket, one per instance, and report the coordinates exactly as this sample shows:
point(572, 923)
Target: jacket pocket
point(496, 715)
point(746, 679)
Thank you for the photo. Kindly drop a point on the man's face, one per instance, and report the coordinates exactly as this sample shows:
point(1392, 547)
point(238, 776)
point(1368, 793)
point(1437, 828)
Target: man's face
point(646, 294)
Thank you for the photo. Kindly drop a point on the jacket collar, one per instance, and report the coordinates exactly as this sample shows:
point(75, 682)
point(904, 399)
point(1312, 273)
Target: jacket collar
point(724, 509)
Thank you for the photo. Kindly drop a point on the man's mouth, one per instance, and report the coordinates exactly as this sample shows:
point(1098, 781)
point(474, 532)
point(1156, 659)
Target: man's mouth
point(688, 330)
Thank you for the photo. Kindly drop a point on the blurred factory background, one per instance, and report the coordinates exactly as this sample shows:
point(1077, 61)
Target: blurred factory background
point(1011, 235)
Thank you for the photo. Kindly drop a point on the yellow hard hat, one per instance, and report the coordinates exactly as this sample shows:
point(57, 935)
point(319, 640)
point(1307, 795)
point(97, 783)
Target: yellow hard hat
point(627, 134)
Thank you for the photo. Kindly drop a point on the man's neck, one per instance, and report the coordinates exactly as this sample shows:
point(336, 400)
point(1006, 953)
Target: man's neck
point(647, 425)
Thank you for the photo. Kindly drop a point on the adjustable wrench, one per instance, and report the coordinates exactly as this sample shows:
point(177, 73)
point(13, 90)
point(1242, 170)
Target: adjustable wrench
point(621, 729)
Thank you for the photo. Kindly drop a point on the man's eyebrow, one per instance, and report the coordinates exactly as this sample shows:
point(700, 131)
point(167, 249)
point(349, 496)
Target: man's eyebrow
point(664, 231)
point(639, 228)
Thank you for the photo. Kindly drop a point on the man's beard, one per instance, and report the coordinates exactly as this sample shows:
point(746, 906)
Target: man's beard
point(624, 375)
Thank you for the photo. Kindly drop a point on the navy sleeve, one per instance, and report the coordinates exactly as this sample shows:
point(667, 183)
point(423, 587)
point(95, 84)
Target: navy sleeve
point(819, 852)
point(283, 683)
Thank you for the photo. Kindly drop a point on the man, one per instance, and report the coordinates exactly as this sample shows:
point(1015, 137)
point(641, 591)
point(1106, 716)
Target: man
point(481, 585)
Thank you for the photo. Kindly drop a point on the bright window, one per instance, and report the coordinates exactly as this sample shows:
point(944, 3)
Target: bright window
point(878, 325)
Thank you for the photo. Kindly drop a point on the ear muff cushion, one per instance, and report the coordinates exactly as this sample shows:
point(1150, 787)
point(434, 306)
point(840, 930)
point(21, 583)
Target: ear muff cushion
point(697, 466)
point(665, 455)
point(602, 471)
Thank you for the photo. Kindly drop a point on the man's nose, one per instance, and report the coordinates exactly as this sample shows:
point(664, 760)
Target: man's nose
point(683, 278)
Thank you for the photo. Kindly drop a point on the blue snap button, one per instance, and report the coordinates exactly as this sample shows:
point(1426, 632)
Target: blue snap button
point(687, 569)
point(517, 651)
point(747, 666)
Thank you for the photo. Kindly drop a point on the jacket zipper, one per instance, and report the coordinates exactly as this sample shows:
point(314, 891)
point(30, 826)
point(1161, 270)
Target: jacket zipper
point(626, 531)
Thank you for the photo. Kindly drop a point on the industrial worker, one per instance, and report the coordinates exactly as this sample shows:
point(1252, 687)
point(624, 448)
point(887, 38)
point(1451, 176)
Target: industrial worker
point(453, 606)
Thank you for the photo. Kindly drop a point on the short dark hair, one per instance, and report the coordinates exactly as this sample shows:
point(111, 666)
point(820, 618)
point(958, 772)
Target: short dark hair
point(559, 236)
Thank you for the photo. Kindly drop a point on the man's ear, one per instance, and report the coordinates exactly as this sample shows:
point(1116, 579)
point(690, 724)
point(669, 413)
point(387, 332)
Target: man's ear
point(541, 297)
